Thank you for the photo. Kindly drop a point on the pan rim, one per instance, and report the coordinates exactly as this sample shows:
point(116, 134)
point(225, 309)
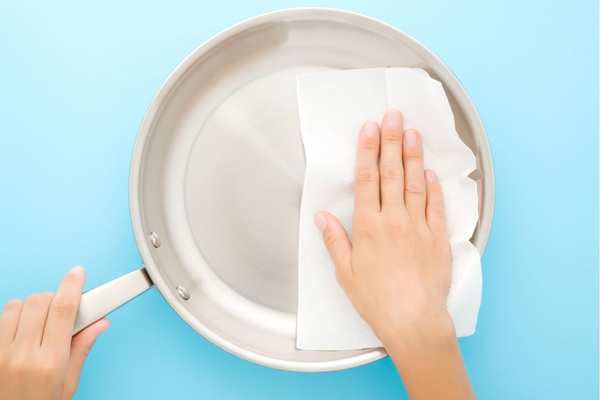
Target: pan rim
point(137, 169)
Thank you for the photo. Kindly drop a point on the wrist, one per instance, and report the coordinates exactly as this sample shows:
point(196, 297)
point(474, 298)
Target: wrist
point(425, 350)
point(414, 333)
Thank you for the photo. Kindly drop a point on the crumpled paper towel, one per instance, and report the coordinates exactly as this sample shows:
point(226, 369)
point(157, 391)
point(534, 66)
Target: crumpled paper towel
point(332, 106)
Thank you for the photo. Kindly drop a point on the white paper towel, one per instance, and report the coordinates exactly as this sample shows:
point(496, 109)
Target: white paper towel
point(332, 106)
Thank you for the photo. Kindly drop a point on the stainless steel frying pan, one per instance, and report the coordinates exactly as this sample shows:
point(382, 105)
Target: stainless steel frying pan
point(217, 172)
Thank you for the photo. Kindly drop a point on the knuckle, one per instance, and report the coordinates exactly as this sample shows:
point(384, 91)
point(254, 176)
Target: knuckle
point(415, 188)
point(434, 187)
point(391, 136)
point(391, 173)
point(413, 154)
point(63, 309)
point(366, 175)
point(38, 299)
point(330, 238)
point(35, 365)
point(46, 367)
point(19, 364)
point(15, 368)
point(370, 144)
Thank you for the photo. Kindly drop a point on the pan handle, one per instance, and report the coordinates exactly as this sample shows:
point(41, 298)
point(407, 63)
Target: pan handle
point(98, 302)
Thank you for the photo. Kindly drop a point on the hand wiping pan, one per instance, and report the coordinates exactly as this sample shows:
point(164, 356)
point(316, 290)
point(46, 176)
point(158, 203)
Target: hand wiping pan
point(332, 107)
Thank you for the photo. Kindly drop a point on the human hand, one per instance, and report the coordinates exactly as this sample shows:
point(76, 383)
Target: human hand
point(396, 269)
point(39, 359)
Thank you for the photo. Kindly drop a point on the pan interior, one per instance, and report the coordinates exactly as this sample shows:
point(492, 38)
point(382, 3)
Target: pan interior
point(223, 168)
point(243, 188)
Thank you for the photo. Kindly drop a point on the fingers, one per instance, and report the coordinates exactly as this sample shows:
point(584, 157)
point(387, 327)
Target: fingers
point(436, 217)
point(337, 243)
point(391, 169)
point(81, 346)
point(414, 186)
point(32, 319)
point(366, 186)
point(63, 310)
point(9, 320)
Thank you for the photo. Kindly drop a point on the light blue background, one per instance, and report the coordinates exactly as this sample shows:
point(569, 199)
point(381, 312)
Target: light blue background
point(75, 81)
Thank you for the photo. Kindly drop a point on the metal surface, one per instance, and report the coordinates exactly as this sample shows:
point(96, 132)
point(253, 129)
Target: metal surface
point(218, 169)
point(182, 292)
point(98, 302)
point(155, 240)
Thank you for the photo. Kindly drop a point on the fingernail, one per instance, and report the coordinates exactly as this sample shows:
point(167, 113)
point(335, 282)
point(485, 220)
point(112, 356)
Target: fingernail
point(370, 129)
point(321, 220)
point(410, 138)
point(392, 119)
point(430, 176)
point(77, 270)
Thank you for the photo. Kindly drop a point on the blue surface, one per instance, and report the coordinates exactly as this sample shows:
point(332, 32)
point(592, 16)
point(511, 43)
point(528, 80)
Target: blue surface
point(75, 81)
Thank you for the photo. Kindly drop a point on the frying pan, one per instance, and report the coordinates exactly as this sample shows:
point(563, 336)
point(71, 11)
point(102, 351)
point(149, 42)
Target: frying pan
point(217, 172)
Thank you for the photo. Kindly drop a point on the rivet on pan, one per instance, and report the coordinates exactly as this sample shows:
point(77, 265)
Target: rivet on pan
point(154, 239)
point(183, 293)
point(476, 175)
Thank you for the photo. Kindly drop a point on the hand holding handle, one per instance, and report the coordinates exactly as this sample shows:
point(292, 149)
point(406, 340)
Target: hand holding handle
point(98, 302)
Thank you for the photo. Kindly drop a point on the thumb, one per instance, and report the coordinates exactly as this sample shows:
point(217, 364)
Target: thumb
point(80, 348)
point(338, 245)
